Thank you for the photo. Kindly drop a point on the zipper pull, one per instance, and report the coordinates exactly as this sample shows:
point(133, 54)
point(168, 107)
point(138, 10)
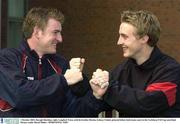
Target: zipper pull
point(40, 61)
point(40, 69)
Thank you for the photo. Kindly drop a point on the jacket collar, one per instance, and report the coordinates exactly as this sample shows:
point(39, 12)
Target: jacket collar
point(153, 60)
point(24, 46)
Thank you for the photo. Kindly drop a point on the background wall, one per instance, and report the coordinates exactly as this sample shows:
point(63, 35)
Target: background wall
point(91, 28)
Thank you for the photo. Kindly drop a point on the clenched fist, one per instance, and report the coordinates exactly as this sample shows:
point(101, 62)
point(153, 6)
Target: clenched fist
point(99, 83)
point(77, 63)
point(101, 78)
point(73, 76)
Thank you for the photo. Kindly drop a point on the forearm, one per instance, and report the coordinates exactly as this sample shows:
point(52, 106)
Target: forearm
point(134, 101)
point(21, 93)
point(86, 106)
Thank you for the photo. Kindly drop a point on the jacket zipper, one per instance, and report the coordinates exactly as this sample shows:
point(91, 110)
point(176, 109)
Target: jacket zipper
point(40, 69)
point(44, 108)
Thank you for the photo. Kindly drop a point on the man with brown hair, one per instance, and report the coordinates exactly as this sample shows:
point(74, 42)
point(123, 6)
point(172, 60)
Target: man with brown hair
point(34, 80)
point(147, 83)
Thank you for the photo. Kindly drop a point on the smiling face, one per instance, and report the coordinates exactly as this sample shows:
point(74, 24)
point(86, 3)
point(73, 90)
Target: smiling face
point(49, 38)
point(132, 45)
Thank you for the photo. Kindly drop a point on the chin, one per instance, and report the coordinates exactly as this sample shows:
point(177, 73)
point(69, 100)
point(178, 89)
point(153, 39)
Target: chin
point(125, 55)
point(52, 52)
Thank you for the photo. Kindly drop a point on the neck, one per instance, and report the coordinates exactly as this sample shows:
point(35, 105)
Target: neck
point(146, 53)
point(33, 46)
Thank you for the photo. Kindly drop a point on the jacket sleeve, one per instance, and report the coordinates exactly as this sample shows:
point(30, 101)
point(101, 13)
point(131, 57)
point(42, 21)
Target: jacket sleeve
point(85, 106)
point(81, 88)
point(22, 93)
point(157, 97)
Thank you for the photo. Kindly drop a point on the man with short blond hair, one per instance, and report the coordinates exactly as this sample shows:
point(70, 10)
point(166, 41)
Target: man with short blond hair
point(147, 83)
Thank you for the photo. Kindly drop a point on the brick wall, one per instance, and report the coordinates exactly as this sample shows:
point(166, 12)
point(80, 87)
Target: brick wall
point(91, 28)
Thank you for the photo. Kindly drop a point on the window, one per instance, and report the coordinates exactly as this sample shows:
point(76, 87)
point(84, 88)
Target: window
point(0, 23)
point(16, 12)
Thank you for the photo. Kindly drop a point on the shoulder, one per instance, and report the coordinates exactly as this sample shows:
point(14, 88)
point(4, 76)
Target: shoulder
point(10, 53)
point(168, 62)
point(10, 56)
point(167, 70)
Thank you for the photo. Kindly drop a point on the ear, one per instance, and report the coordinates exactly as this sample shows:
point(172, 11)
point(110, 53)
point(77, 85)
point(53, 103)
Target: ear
point(36, 32)
point(145, 38)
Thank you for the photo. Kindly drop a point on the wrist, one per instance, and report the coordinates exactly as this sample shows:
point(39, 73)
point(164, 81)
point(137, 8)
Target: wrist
point(97, 96)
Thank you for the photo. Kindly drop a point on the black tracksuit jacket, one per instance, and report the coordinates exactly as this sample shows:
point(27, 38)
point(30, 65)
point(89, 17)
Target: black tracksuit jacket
point(147, 90)
point(30, 87)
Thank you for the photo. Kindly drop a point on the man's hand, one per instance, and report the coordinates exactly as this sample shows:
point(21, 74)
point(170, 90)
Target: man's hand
point(99, 83)
point(73, 76)
point(77, 63)
point(101, 77)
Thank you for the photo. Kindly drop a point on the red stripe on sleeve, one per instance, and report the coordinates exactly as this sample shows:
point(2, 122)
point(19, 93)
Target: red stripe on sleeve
point(4, 106)
point(168, 88)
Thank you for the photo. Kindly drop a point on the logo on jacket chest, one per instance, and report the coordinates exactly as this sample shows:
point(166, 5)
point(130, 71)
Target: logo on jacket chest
point(30, 78)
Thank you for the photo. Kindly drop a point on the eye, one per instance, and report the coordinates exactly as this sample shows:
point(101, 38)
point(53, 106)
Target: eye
point(123, 36)
point(56, 32)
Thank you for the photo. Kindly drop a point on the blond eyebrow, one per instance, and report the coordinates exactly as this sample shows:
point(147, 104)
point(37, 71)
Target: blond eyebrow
point(124, 35)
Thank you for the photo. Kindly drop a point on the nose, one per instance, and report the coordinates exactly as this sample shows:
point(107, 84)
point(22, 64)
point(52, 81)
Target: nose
point(59, 38)
point(119, 42)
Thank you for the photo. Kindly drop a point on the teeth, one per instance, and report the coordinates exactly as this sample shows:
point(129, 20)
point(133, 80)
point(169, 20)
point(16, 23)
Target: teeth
point(124, 47)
